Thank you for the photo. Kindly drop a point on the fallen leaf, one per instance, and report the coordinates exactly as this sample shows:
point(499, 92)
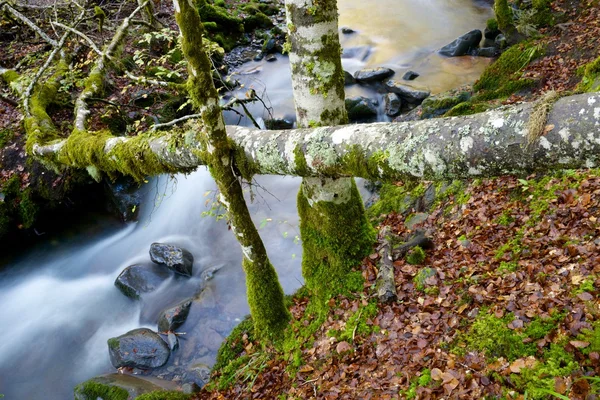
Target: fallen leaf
point(517, 365)
point(579, 344)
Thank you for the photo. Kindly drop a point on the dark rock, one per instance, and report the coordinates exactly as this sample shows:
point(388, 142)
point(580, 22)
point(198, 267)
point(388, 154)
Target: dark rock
point(279, 124)
point(129, 385)
point(198, 374)
point(501, 41)
point(359, 53)
point(176, 258)
point(348, 79)
point(464, 45)
point(392, 104)
point(373, 74)
point(140, 278)
point(259, 56)
point(488, 43)
point(124, 197)
point(360, 108)
point(269, 46)
point(271, 57)
point(410, 76)
point(488, 52)
point(139, 348)
point(407, 93)
point(491, 33)
point(172, 341)
point(173, 317)
point(347, 31)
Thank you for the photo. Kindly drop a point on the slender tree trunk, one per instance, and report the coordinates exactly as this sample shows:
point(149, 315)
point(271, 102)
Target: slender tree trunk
point(265, 295)
point(334, 229)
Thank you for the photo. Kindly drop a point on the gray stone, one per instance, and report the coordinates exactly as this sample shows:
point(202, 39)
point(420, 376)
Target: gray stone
point(139, 348)
point(373, 74)
point(348, 79)
point(359, 53)
point(140, 278)
point(172, 341)
point(199, 374)
point(488, 52)
point(176, 258)
point(501, 41)
point(360, 108)
point(270, 58)
point(392, 104)
point(415, 220)
point(491, 34)
point(410, 76)
point(279, 124)
point(347, 31)
point(464, 45)
point(173, 317)
point(406, 92)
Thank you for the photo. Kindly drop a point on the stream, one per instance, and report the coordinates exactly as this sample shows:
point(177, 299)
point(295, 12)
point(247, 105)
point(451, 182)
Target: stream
point(59, 303)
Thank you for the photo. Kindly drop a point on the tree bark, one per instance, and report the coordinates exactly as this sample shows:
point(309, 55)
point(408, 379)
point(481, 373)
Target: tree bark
point(488, 144)
point(334, 229)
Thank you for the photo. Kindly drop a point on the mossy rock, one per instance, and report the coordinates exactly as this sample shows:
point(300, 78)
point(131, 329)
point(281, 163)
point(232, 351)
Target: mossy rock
point(125, 387)
point(436, 106)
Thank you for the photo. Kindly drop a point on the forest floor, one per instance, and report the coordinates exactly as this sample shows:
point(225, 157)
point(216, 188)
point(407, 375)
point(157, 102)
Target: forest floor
point(505, 306)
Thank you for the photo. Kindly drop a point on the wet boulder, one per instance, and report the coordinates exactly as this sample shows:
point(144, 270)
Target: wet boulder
point(140, 278)
point(279, 123)
point(348, 79)
point(358, 53)
point(119, 386)
point(464, 45)
point(124, 198)
point(373, 74)
point(173, 317)
point(360, 108)
point(488, 52)
point(174, 257)
point(407, 93)
point(140, 348)
point(392, 104)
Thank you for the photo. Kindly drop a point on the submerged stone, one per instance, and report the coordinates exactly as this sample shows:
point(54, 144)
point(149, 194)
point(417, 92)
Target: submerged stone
point(410, 76)
point(175, 258)
point(373, 74)
point(392, 104)
point(464, 45)
point(140, 348)
point(348, 79)
point(488, 52)
point(406, 92)
point(173, 317)
point(140, 278)
point(360, 108)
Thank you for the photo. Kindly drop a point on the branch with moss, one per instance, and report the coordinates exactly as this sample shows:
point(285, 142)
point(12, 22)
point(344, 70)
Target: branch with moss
point(488, 144)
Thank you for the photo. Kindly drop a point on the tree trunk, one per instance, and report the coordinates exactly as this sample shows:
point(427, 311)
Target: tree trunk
point(334, 229)
point(482, 145)
point(265, 295)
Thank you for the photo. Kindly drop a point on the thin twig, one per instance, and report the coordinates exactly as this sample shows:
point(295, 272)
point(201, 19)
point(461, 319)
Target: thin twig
point(175, 121)
point(82, 35)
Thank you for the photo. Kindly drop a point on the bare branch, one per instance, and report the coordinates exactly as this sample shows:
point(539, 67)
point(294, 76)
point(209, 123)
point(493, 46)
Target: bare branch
point(175, 121)
point(82, 35)
point(31, 24)
point(144, 80)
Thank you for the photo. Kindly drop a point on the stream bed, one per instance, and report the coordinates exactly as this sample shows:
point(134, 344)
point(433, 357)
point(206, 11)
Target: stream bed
point(58, 302)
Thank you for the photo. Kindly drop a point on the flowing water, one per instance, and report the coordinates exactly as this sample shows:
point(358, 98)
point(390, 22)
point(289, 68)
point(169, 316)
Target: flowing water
point(58, 302)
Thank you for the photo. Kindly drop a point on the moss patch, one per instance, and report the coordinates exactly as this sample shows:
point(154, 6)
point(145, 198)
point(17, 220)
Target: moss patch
point(91, 390)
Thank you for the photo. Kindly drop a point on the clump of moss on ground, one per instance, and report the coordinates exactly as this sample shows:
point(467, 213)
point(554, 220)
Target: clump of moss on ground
point(94, 390)
point(590, 82)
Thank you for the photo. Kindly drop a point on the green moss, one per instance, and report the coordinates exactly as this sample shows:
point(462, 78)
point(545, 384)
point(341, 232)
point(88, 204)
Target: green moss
point(505, 218)
point(421, 277)
point(233, 346)
point(436, 106)
point(258, 20)
point(416, 256)
point(504, 15)
point(538, 382)
point(392, 198)
point(492, 24)
point(592, 336)
point(506, 267)
point(502, 76)
point(590, 81)
point(466, 108)
point(335, 238)
point(164, 395)
point(424, 379)
point(6, 135)
point(358, 323)
point(91, 390)
point(493, 337)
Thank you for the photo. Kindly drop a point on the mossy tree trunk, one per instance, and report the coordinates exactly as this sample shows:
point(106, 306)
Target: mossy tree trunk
point(504, 16)
point(265, 295)
point(334, 229)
